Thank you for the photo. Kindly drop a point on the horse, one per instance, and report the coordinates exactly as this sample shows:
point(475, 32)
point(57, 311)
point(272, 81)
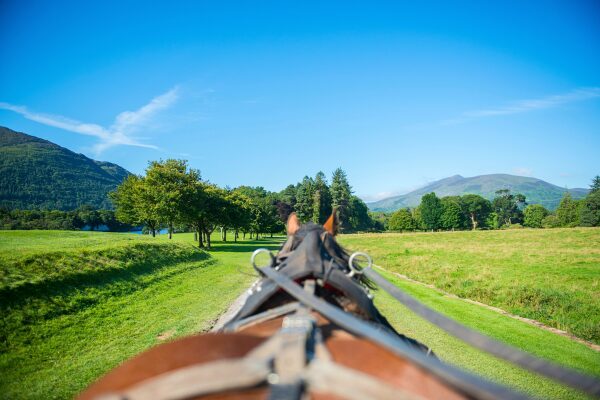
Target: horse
point(308, 330)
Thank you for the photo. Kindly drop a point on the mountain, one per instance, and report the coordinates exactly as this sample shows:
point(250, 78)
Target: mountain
point(38, 174)
point(535, 190)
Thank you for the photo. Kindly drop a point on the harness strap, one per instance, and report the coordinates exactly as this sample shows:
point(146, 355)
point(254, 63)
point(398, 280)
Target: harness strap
point(524, 360)
point(295, 351)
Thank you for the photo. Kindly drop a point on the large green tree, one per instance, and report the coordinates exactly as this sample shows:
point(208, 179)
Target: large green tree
point(321, 199)
point(360, 220)
point(589, 211)
point(264, 217)
point(534, 215)
point(476, 208)
point(595, 186)
point(305, 199)
point(568, 211)
point(170, 183)
point(431, 211)
point(507, 207)
point(401, 220)
point(341, 195)
point(452, 216)
point(238, 213)
point(135, 203)
point(195, 209)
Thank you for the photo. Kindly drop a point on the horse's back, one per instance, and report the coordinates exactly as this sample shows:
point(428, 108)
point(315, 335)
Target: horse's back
point(346, 350)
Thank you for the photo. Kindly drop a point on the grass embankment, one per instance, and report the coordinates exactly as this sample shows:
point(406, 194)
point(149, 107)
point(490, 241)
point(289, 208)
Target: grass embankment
point(550, 275)
point(76, 304)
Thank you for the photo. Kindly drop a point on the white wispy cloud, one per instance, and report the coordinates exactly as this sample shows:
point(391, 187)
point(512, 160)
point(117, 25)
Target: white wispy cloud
point(121, 132)
point(522, 106)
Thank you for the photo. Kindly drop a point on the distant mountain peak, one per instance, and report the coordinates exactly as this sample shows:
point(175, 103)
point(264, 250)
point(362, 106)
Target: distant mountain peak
point(536, 190)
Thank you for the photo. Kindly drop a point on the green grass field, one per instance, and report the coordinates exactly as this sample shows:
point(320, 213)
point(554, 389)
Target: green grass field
point(76, 304)
point(550, 275)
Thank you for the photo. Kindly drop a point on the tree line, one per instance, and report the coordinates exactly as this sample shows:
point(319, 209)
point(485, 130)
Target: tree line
point(506, 210)
point(84, 217)
point(172, 195)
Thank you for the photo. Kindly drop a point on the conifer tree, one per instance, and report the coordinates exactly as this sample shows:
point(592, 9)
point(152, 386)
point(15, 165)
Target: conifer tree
point(341, 194)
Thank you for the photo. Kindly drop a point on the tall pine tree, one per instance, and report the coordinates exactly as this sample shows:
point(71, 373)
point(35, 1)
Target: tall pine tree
point(321, 199)
point(305, 199)
point(341, 193)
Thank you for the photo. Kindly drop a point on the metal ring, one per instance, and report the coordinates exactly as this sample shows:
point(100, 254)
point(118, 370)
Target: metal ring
point(257, 252)
point(356, 271)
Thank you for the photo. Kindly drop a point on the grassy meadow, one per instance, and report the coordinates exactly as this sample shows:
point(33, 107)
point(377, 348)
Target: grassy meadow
point(550, 275)
point(76, 304)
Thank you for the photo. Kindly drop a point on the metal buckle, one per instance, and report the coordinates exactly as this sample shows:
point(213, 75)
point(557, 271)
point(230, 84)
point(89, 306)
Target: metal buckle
point(256, 253)
point(353, 269)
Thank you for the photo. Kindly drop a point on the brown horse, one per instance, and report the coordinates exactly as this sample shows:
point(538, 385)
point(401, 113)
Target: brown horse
point(309, 329)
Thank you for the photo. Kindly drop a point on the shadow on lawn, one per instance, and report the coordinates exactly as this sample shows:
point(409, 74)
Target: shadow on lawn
point(247, 246)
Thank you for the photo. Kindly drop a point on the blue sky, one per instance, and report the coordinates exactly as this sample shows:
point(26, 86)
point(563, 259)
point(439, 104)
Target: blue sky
point(263, 93)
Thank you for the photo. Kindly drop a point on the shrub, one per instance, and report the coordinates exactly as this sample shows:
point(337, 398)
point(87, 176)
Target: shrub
point(550, 222)
point(534, 215)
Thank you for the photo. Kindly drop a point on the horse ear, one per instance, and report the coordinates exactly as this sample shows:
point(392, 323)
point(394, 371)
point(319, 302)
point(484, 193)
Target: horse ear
point(292, 224)
point(331, 225)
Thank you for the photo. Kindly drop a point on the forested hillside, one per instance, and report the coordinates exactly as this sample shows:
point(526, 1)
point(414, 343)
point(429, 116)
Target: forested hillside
point(38, 174)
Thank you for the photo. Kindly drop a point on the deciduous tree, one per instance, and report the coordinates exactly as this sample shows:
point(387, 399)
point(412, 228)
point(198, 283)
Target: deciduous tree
point(452, 216)
point(359, 215)
point(534, 215)
point(476, 208)
point(508, 207)
point(170, 183)
point(402, 220)
point(431, 211)
point(568, 211)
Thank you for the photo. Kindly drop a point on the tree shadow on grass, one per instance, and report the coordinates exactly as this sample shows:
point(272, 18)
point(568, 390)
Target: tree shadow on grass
point(247, 246)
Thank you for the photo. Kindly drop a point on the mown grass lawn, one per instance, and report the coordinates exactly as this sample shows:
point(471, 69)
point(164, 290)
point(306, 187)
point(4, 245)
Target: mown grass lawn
point(550, 275)
point(76, 304)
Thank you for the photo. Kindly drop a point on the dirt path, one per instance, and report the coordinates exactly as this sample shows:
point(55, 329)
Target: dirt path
point(540, 325)
point(232, 310)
